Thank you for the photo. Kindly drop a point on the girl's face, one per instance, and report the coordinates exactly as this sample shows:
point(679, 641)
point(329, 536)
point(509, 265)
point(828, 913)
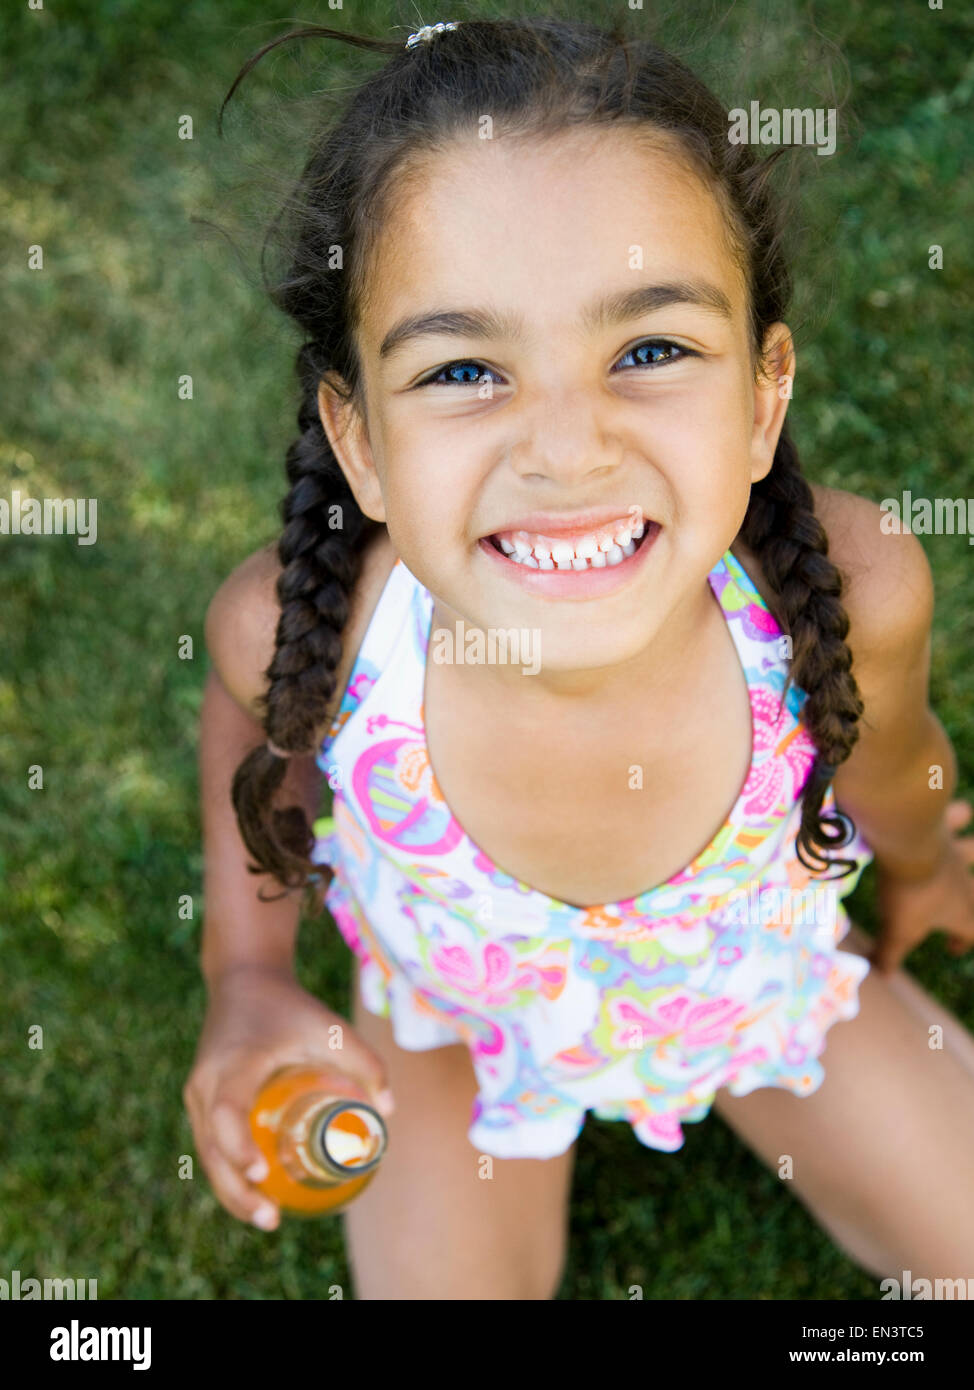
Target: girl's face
point(522, 407)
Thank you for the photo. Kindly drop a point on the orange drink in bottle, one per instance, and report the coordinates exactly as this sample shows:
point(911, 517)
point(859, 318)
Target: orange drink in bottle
point(322, 1140)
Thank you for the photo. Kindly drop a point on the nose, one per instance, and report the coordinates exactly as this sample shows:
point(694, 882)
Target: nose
point(566, 437)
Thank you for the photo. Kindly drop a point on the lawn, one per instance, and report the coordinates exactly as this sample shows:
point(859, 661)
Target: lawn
point(137, 290)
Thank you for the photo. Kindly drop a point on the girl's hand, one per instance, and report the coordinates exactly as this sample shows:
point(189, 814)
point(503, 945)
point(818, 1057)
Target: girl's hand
point(259, 1020)
point(910, 909)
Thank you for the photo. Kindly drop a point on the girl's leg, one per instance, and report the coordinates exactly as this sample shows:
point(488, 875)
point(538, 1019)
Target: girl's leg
point(431, 1224)
point(883, 1151)
point(956, 1037)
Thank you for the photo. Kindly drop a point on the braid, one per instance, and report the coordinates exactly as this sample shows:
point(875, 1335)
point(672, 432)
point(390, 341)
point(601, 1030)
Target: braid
point(320, 563)
point(790, 542)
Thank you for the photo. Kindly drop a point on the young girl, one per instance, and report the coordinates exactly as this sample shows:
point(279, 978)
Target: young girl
point(545, 378)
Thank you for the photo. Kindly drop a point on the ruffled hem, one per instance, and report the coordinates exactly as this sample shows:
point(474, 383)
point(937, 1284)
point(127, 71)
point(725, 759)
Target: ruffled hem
point(502, 1132)
point(803, 1073)
point(492, 1131)
point(797, 1069)
point(385, 991)
point(506, 1130)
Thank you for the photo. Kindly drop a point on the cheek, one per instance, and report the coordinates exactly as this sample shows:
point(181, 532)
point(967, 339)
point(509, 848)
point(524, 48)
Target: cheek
point(705, 462)
point(422, 506)
point(434, 488)
point(714, 437)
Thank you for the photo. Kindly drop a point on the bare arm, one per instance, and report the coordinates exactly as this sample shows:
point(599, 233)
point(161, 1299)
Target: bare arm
point(238, 929)
point(258, 1017)
point(886, 784)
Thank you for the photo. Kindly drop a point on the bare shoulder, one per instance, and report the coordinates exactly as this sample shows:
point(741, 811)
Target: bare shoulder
point(887, 584)
point(888, 589)
point(242, 617)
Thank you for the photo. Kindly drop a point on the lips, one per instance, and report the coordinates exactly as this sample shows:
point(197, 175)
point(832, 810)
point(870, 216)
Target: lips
point(561, 555)
point(588, 541)
point(573, 526)
point(579, 579)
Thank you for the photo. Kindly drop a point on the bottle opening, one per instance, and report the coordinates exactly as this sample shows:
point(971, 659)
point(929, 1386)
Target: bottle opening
point(353, 1137)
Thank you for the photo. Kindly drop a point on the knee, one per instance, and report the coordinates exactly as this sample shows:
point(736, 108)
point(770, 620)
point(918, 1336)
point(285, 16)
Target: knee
point(485, 1275)
point(506, 1288)
point(544, 1285)
point(860, 1244)
point(887, 1248)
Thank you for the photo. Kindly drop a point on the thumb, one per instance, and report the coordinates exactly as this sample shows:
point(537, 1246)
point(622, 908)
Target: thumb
point(958, 814)
point(358, 1061)
point(369, 1069)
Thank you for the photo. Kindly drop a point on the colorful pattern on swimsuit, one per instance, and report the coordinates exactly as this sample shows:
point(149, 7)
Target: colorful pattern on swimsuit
point(726, 975)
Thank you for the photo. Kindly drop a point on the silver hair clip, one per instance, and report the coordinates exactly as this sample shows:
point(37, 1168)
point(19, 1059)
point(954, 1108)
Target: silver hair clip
point(428, 30)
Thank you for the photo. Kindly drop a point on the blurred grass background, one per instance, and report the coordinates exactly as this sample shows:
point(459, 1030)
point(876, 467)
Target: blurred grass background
point(133, 295)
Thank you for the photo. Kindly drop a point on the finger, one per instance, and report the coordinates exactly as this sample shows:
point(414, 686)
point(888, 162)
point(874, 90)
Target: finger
point(194, 1110)
point(230, 1130)
point(369, 1071)
point(889, 953)
point(957, 945)
point(367, 1068)
point(887, 962)
point(239, 1197)
point(958, 814)
point(189, 1104)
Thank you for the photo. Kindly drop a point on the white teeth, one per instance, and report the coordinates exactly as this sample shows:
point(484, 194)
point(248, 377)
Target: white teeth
point(604, 546)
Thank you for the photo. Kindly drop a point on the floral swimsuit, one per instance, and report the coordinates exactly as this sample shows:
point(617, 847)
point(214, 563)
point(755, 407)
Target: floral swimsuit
point(725, 975)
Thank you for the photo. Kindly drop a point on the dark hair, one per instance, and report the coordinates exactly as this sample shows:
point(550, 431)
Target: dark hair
point(535, 76)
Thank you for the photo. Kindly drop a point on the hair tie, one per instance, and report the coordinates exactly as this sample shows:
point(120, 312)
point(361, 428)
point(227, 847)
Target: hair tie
point(278, 752)
point(428, 30)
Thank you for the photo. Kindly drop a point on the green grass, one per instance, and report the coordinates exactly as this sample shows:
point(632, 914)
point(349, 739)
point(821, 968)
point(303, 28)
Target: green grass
point(132, 295)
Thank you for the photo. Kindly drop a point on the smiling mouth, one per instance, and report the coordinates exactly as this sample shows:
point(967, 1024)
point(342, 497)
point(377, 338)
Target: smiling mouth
point(603, 547)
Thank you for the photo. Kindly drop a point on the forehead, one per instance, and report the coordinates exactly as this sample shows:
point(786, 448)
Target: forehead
point(542, 223)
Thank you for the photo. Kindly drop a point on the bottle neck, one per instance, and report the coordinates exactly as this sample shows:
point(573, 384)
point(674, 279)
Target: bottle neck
point(346, 1139)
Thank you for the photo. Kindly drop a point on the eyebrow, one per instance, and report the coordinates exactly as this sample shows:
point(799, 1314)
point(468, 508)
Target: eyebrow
point(606, 312)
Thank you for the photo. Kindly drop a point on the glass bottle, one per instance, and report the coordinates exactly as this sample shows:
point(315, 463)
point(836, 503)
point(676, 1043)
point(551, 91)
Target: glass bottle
point(322, 1140)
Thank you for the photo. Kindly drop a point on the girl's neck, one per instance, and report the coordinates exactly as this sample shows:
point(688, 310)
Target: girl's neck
point(660, 668)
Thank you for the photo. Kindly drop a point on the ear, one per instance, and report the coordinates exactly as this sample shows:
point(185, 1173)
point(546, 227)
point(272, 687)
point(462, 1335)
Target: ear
point(772, 392)
point(347, 434)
